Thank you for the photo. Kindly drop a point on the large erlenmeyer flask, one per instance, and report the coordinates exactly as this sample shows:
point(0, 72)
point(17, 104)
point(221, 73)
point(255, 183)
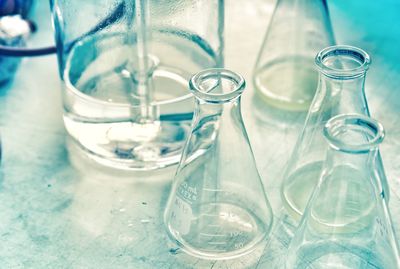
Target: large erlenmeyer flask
point(284, 74)
point(340, 91)
point(347, 222)
point(218, 208)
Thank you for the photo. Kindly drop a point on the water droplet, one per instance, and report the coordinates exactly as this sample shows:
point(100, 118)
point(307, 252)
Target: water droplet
point(145, 221)
point(174, 251)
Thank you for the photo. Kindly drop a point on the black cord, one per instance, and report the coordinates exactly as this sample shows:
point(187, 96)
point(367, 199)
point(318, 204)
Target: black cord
point(25, 52)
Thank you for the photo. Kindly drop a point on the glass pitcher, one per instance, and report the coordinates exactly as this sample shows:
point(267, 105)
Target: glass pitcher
point(125, 66)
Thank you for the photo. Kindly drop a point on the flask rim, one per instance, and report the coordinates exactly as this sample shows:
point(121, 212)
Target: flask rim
point(354, 122)
point(355, 53)
point(195, 85)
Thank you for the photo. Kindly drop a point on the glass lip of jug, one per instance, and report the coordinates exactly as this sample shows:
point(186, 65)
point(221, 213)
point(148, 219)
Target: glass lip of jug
point(357, 55)
point(205, 94)
point(343, 123)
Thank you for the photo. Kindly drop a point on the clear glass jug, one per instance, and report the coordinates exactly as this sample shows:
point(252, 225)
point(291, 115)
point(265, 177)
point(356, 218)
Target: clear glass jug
point(347, 223)
point(342, 71)
point(125, 65)
point(217, 208)
point(284, 75)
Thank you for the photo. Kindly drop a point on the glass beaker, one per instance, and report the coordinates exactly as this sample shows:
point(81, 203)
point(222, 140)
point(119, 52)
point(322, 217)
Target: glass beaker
point(342, 71)
point(284, 74)
point(217, 208)
point(347, 223)
point(125, 66)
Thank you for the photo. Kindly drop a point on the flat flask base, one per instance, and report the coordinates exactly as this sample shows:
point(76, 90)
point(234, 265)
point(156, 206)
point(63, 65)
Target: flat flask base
point(298, 187)
point(228, 231)
point(331, 255)
point(346, 183)
point(287, 83)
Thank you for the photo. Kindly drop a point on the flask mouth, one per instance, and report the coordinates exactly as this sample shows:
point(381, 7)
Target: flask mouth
point(353, 133)
point(341, 61)
point(217, 85)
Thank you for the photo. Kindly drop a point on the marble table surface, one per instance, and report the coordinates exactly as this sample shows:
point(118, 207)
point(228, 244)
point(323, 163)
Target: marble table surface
point(60, 210)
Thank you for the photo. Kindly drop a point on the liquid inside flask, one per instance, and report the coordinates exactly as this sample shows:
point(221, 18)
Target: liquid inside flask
point(217, 208)
point(342, 71)
point(284, 74)
point(347, 222)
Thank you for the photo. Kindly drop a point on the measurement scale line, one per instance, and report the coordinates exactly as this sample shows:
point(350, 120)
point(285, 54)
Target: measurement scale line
point(216, 190)
point(217, 243)
point(213, 235)
point(210, 215)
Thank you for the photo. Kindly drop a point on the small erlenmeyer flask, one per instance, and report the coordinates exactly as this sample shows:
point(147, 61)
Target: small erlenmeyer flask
point(217, 208)
point(284, 75)
point(340, 91)
point(347, 222)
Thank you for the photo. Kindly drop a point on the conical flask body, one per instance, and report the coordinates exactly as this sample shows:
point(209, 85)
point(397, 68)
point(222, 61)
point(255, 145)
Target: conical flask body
point(347, 223)
point(284, 74)
point(217, 208)
point(340, 90)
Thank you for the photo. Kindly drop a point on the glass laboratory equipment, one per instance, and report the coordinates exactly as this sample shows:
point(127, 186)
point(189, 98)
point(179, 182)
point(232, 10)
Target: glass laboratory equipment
point(217, 208)
point(284, 75)
point(125, 66)
point(347, 223)
point(342, 71)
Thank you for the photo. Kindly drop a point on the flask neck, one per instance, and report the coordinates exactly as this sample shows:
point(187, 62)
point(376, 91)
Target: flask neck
point(353, 140)
point(217, 93)
point(226, 118)
point(347, 94)
point(342, 72)
point(353, 133)
point(204, 108)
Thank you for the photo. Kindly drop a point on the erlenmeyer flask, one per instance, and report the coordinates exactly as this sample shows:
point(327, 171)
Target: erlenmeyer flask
point(347, 222)
point(217, 208)
point(284, 75)
point(340, 91)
